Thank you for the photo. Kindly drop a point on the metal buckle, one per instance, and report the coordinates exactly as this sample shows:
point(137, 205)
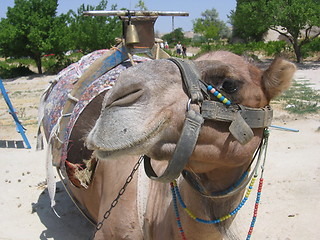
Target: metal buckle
point(188, 108)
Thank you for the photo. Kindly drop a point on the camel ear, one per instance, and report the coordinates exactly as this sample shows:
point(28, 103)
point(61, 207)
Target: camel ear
point(277, 78)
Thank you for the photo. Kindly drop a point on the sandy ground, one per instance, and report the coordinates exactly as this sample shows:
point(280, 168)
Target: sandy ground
point(290, 197)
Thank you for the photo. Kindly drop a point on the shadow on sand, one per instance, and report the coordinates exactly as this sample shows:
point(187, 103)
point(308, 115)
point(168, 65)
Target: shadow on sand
point(72, 224)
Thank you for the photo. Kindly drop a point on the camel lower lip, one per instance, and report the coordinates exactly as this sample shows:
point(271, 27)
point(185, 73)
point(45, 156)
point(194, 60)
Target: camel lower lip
point(134, 148)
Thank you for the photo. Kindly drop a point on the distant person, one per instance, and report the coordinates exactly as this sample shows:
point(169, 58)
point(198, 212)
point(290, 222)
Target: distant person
point(184, 50)
point(162, 45)
point(179, 48)
point(166, 45)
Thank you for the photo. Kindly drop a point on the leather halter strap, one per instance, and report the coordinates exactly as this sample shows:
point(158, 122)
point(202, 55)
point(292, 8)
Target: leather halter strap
point(182, 152)
point(191, 127)
point(191, 79)
point(242, 119)
point(254, 117)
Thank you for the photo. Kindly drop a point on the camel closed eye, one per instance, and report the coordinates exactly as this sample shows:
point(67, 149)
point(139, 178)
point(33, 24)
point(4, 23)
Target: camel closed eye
point(126, 99)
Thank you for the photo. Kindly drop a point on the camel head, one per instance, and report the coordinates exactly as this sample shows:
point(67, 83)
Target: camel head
point(145, 110)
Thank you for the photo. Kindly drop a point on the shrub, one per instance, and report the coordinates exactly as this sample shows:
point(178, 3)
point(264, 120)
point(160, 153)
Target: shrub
point(54, 64)
point(311, 47)
point(269, 49)
point(274, 48)
point(12, 70)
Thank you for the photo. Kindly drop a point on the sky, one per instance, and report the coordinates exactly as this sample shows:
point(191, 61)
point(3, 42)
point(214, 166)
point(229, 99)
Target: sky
point(163, 24)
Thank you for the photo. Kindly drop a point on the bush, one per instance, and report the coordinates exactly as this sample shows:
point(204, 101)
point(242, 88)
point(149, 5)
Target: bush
point(54, 64)
point(11, 68)
point(274, 48)
point(310, 48)
point(13, 71)
point(269, 49)
point(26, 61)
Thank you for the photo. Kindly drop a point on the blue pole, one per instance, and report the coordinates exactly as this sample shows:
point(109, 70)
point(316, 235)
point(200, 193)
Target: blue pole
point(20, 128)
point(284, 128)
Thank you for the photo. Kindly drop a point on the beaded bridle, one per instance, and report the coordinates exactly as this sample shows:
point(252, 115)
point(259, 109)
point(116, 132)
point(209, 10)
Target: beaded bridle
point(242, 119)
point(241, 129)
point(198, 92)
point(238, 186)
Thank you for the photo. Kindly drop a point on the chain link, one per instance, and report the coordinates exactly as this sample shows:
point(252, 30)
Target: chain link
point(116, 200)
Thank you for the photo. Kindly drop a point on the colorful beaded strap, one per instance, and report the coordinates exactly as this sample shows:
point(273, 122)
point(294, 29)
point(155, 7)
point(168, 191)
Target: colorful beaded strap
point(217, 94)
point(218, 220)
point(176, 195)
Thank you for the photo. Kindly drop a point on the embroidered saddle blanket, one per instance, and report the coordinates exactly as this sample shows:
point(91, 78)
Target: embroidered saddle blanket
point(76, 161)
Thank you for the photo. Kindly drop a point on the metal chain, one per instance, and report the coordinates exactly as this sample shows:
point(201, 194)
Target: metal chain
point(116, 200)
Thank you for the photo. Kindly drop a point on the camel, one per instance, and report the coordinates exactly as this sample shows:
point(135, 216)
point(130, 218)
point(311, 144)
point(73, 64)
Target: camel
point(144, 114)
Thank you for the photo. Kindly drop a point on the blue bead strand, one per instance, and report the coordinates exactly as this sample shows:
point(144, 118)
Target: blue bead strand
point(244, 175)
point(217, 94)
point(176, 210)
point(255, 212)
point(176, 195)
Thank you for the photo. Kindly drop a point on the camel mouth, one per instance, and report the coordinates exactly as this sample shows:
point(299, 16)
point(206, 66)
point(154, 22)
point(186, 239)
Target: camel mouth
point(139, 146)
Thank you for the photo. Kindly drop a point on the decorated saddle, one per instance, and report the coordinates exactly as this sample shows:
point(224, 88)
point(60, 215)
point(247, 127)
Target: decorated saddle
point(74, 159)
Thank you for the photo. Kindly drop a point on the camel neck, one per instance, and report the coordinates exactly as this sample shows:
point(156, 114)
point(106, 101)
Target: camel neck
point(160, 209)
point(201, 209)
point(217, 181)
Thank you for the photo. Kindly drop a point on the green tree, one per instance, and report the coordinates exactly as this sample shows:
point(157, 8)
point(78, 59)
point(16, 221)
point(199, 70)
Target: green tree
point(175, 36)
point(141, 5)
point(210, 26)
point(27, 30)
point(60, 38)
point(248, 21)
point(92, 33)
point(297, 20)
